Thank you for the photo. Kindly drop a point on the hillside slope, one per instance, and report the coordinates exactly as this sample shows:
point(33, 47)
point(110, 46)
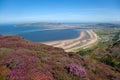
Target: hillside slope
point(24, 60)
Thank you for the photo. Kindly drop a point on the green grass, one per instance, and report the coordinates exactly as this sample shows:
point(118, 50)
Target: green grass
point(2, 77)
point(110, 60)
point(84, 52)
point(106, 32)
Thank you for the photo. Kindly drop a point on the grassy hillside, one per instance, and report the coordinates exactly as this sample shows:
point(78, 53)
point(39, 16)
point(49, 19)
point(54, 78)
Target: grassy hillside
point(107, 52)
point(24, 60)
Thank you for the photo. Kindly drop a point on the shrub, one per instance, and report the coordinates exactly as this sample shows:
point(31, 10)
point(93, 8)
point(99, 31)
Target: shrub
point(84, 52)
point(76, 70)
point(23, 66)
point(109, 60)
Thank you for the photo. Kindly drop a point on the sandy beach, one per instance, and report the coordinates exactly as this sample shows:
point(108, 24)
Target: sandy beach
point(86, 39)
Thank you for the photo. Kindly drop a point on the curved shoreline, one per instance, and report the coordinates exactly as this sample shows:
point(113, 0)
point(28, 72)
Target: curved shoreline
point(72, 45)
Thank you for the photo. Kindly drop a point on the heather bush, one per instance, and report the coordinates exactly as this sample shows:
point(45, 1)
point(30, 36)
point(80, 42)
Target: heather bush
point(76, 70)
point(23, 66)
point(17, 42)
point(4, 72)
point(60, 73)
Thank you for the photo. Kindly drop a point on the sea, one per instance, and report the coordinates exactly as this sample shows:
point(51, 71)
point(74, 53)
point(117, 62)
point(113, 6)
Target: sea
point(39, 33)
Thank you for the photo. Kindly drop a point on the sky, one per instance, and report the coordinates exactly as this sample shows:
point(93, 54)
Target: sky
point(15, 11)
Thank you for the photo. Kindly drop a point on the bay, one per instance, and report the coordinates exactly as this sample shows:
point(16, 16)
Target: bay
point(39, 33)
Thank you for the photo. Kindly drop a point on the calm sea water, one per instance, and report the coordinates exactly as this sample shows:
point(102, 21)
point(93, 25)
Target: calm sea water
point(13, 29)
point(39, 33)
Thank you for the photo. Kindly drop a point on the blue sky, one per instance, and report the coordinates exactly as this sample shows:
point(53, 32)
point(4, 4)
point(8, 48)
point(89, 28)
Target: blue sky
point(59, 11)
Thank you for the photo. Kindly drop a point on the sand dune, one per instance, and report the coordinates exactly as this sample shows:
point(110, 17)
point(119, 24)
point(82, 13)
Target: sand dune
point(85, 40)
